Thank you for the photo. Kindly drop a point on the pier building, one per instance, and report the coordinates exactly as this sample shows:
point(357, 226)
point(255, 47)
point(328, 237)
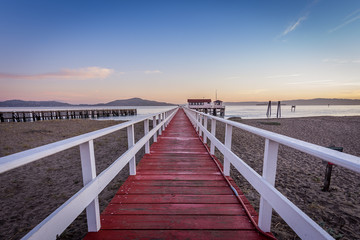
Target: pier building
point(215, 108)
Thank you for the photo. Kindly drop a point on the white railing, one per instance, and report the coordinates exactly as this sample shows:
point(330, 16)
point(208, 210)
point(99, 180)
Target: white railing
point(87, 197)
point(270, 198)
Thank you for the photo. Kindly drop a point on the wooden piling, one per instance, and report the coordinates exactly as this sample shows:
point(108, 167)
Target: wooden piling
point(328, 171)
point(28, 116)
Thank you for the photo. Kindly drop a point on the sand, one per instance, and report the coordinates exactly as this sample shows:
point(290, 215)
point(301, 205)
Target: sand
point(32, 192)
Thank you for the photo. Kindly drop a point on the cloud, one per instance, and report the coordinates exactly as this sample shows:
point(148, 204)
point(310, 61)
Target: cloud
point(293, 26)
point(329, 83)
point(340, 61)
point(153, 72)
point(70, 74)
point(348, 19)
point(284, 76)
point(311, 82)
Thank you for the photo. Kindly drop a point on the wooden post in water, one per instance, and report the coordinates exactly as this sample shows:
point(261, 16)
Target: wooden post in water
point(278, 112)
point(268, 112)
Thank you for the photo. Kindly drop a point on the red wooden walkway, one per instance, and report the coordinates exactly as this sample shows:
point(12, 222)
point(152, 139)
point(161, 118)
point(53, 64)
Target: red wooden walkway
point(178, 193)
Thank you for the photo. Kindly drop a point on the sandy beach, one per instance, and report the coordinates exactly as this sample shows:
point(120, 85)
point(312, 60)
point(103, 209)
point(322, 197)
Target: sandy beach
point(30, 193)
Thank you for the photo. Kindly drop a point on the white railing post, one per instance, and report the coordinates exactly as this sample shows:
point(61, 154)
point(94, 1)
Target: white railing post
point(200, 124)
point(205, 125)
point(228, 137)
point(89, 173)
point(131, 142)
point(269, 173)
point(146, 131)
point(154, 125)
point(163, 118)
point(213, 132)
point(197, 122)
point(159, 119)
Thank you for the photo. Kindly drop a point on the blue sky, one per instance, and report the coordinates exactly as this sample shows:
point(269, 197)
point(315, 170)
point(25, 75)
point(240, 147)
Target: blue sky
point(98, 51)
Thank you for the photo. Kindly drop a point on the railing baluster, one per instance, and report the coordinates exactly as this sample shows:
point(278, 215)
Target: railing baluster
point(228, 137)
point(154, 125)
point(159, 119)
point(131, 142)
point(269, 173)
point(213, 132)
point(200, 124)
point(89, 173)
point(205, 125)
point(163, 118)
point(197, 121)
point(146, 131)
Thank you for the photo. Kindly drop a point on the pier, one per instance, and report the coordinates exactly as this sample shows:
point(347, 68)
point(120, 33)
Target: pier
point(179, 189)
point(206, 106)
point(178, 192)
point(32, 116)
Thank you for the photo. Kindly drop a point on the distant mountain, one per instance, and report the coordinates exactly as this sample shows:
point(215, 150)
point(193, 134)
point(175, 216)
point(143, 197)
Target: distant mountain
point(21, 103)
point(124, 102)
point(135, 102)
point(316, 101)
point(244, 103)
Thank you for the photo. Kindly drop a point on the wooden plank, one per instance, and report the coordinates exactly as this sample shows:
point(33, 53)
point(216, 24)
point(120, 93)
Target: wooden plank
point(174, 234)
point(175, 222)
point(175, 167)
point(174, 198)
point(175, 171)
point(179, 183)
point(178, 177)
point(171, 209)
point(174, 190)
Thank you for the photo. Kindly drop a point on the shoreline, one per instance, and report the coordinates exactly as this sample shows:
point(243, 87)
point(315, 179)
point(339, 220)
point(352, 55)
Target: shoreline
point(47, 183)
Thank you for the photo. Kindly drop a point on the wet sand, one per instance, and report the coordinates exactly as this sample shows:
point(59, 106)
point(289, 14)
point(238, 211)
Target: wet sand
point(30, 193)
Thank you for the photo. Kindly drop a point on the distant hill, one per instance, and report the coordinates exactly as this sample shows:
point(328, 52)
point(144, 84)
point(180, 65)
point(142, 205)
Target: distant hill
point(124, 102)
point(316, 101)
point(21, 103)
point(135, 102)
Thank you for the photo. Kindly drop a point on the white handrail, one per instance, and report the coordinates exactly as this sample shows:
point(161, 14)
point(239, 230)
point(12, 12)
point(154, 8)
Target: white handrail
point(271, 198)
point(62, 217)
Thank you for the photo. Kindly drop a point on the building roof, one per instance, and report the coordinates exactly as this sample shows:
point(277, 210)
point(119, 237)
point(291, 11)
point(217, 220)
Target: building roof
point(198, 100)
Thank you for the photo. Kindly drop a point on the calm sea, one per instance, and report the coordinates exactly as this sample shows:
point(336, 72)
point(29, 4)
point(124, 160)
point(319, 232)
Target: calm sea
point(300, 111)
point(245, 112)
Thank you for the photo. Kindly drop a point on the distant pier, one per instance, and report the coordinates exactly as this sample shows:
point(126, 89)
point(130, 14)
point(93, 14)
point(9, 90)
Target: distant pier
point(32, 116)
point(205, 106)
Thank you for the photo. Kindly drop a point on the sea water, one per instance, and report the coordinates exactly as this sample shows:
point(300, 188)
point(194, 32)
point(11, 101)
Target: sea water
point(248, 112)
point(245, 112)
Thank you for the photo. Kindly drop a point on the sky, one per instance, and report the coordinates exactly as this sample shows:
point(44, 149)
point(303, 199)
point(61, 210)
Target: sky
point(100, 51)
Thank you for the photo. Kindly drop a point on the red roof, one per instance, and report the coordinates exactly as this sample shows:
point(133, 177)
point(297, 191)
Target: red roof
point(198, 100)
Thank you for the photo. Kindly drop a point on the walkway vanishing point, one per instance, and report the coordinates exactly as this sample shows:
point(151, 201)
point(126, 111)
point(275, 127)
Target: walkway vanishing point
point(178, 192)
